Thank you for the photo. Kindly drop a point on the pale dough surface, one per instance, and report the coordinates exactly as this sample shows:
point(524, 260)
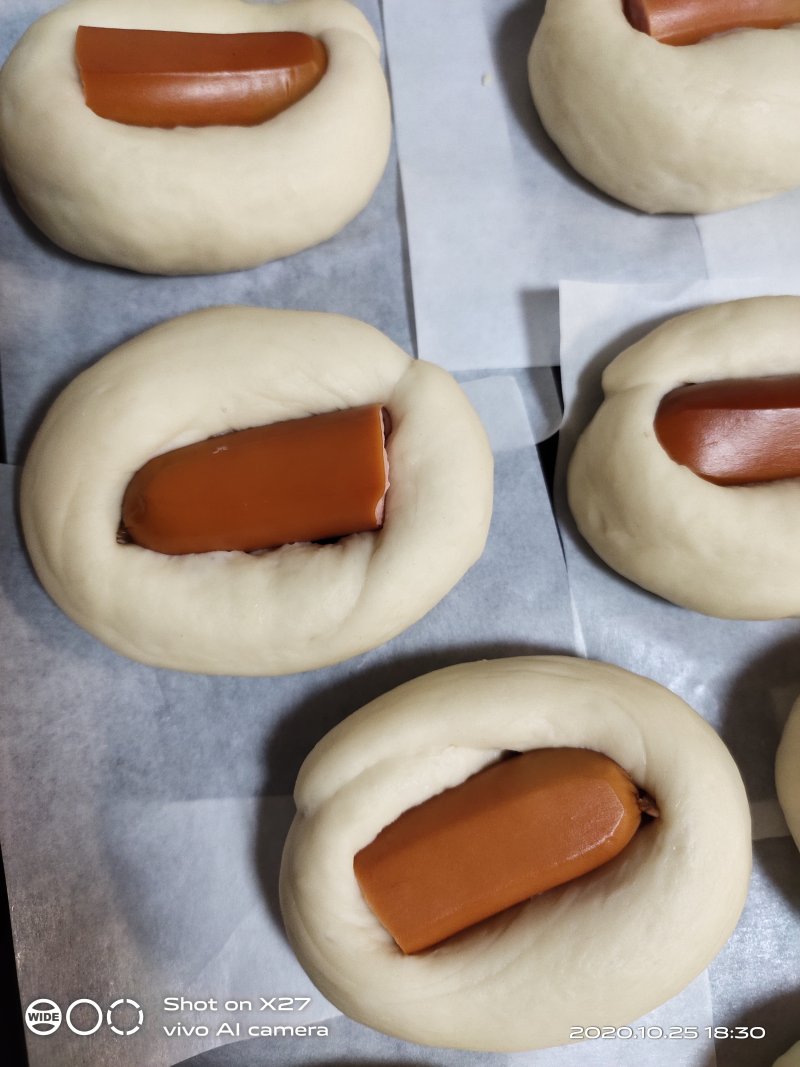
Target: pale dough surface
point(730, 551)
point(787, 781)
point(194, 201)
point(601, 951)
point(292, 609)
point(790, 1058)
point(694, 129)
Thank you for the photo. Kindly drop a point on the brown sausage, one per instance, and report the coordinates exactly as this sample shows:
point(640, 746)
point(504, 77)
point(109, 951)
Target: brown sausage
point(302, 480)
point(681, 22)
point(165, 78)
point(513, 830)
point(734, 432)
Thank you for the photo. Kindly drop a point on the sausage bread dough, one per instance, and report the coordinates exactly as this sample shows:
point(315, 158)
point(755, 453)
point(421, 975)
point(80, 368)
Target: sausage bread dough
point(691, 129)
point(730, 551)
point(185, 200)
point(787, 777)
point(604, 949)
point(295, 608)
point(791, 1058)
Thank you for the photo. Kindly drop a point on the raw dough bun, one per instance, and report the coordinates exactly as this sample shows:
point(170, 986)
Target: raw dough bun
point(602, 950)
point(699, 128)
point(194, 201)
point(790, 1058)
point(290, 609)
point(731, 551)
point(787, 778)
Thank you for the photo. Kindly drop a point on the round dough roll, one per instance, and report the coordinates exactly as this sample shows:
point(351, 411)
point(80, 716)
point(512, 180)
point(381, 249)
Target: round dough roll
point(787, 777)
point(291, 609)
point(185, 200)
point(730, 551)
point(695, 129)
point(602, 950)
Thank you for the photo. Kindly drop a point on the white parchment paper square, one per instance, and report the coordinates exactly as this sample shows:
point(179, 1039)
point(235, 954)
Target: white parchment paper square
point(495, 215)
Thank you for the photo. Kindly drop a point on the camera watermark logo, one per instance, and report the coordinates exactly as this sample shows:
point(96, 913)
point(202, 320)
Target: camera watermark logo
point(43, 1017)
point(129, 1030)
point(92, 1009)
point(84, 1017)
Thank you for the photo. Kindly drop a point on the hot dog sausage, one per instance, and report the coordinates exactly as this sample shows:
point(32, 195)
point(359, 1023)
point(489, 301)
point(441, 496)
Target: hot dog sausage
point(513, 830)
point(681, 22)
point(301, 480)
point(734, 432)
point(165, 78)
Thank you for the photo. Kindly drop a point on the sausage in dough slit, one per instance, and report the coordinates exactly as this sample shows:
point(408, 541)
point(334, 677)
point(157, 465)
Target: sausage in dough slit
point(251, 607)
point(687, 479)
point(193, 199)
point(691, 129)
point(571, 956)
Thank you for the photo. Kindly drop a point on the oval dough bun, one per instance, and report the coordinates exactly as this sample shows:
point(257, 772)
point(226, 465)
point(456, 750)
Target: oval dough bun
point(194, 201)
point(730, 551)
point(291, 609)
point(694, 129)
point(787, 778)
point(602, 950)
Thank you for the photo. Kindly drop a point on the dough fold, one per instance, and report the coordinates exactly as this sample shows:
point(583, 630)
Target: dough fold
point(194, 201)
point(730, 551)
point(572, 957)
point(700, 128)
point(291, 609)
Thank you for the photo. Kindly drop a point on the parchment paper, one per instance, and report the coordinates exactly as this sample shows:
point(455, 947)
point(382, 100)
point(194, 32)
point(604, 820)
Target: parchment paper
point(145, 809)
point(496, 216)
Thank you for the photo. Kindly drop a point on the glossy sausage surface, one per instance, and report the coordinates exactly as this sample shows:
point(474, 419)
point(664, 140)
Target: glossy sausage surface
point(680, 22)
point(737, 431)
point(302, 480)
point(165, 78)
point(513, 830)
